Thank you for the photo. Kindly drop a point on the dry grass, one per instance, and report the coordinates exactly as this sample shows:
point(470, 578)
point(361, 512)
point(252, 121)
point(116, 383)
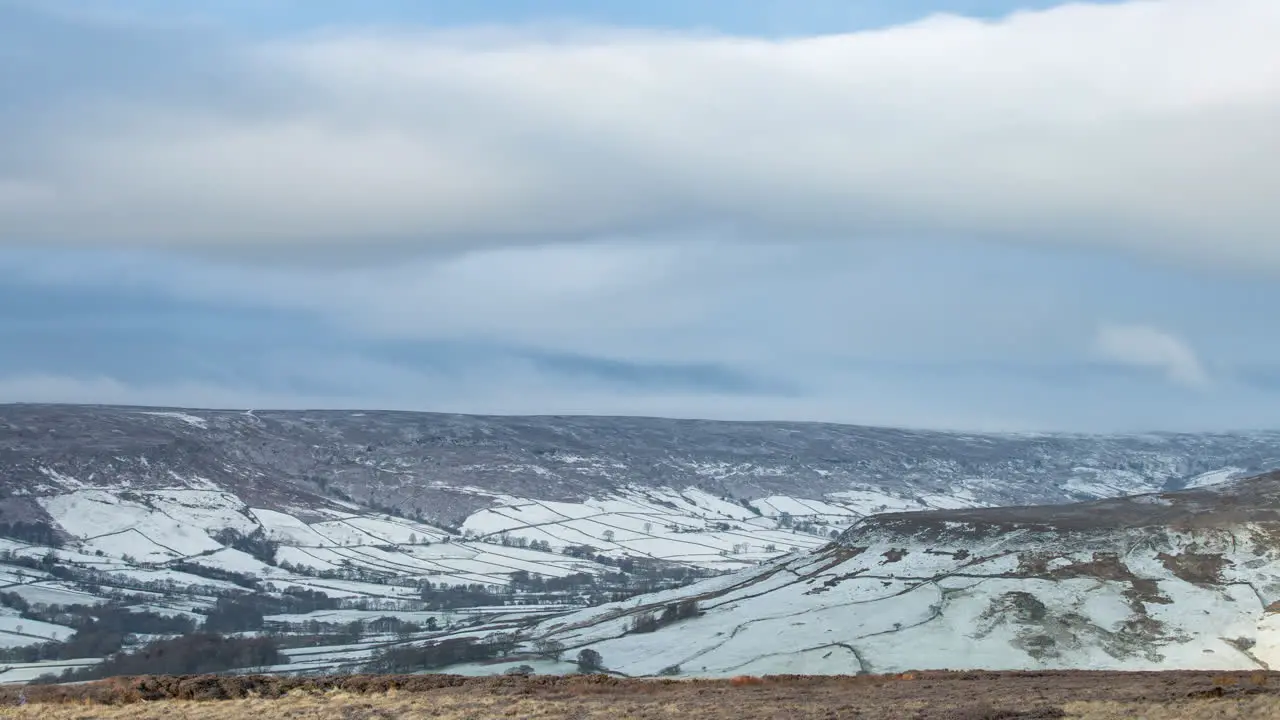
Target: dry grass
point(349, 707)
point(915, 696)
point(1249, 708)
point(346, 706)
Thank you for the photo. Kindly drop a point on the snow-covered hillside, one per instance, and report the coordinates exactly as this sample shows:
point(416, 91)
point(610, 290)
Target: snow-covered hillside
point(444, 469)
point(1176, 580)
point(181, 551)
point(340, 489)
point(422, 528)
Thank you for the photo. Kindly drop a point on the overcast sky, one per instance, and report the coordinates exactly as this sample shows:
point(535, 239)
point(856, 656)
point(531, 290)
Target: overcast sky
point(969, 214)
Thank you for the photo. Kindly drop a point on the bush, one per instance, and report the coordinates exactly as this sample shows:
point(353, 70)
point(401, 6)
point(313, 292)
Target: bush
point(590, 661)
point(643, 623)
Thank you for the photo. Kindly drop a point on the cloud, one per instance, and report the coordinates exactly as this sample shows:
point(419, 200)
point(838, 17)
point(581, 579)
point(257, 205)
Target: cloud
point(1143, 346)
point(524, 395)
point(940, 334)
point(1155, 136)
point(106, 390)
point(766, 308)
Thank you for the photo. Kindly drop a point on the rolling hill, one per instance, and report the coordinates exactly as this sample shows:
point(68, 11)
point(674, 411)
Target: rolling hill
point(1187, 579)
point(418, 527)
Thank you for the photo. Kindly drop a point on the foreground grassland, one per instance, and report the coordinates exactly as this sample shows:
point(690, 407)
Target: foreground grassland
point(924, 696)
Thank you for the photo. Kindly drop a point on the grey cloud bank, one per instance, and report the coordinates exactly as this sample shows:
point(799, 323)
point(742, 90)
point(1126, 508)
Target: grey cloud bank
point(1146, 126)
point(941, 335)
point(1047, 221)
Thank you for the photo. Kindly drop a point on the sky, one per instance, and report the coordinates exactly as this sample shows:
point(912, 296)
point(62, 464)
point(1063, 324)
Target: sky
point(977, 215)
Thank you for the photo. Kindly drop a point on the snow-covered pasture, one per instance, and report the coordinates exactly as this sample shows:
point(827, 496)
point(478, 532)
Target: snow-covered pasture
point(689, 526)
point(137, 534)
point(874, 608)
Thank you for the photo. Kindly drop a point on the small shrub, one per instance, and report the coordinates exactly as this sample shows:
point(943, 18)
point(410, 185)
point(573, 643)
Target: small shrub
point(670, 671)
point(590, 661)
point(643, 623)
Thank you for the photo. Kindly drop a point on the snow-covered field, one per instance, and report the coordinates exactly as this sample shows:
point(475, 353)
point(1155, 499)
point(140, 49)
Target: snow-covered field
point(17, 631)
point(17, 673)
point(798, 601)
point(1024, 597)
point(167, 551)
point(143, 532)
point(835, 614)
point(685, 526)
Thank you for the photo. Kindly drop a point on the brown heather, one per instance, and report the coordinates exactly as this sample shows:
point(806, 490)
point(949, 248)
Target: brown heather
point(916, 695)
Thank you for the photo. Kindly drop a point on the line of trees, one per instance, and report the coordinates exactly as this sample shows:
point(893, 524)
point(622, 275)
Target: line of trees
point(36, 533)
point(98, 630)
point(192, 654)
point(243, 613)
point(433, 655)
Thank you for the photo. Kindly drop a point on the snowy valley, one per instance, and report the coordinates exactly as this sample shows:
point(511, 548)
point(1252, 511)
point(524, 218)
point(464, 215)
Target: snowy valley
point(412, 541)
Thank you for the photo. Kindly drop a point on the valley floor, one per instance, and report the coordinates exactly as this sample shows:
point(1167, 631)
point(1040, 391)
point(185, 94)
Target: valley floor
point(924, 696)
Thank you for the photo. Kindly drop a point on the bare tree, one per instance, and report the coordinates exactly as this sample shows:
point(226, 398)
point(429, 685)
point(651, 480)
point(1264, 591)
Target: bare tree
point(547, 647)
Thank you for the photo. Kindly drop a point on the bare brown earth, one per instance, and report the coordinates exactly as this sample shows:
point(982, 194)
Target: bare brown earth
point(923, 695)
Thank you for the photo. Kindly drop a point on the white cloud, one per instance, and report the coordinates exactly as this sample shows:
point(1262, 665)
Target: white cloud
point(1147, 125)
point(1148, 347)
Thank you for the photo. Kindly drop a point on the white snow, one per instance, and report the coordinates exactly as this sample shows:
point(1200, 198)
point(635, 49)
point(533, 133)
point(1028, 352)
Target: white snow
point(30, 632)
point(689, 526)
point(96, 515)
point(187, 418)
point(1214, 477)
point(26, 672)
point(839, 611)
